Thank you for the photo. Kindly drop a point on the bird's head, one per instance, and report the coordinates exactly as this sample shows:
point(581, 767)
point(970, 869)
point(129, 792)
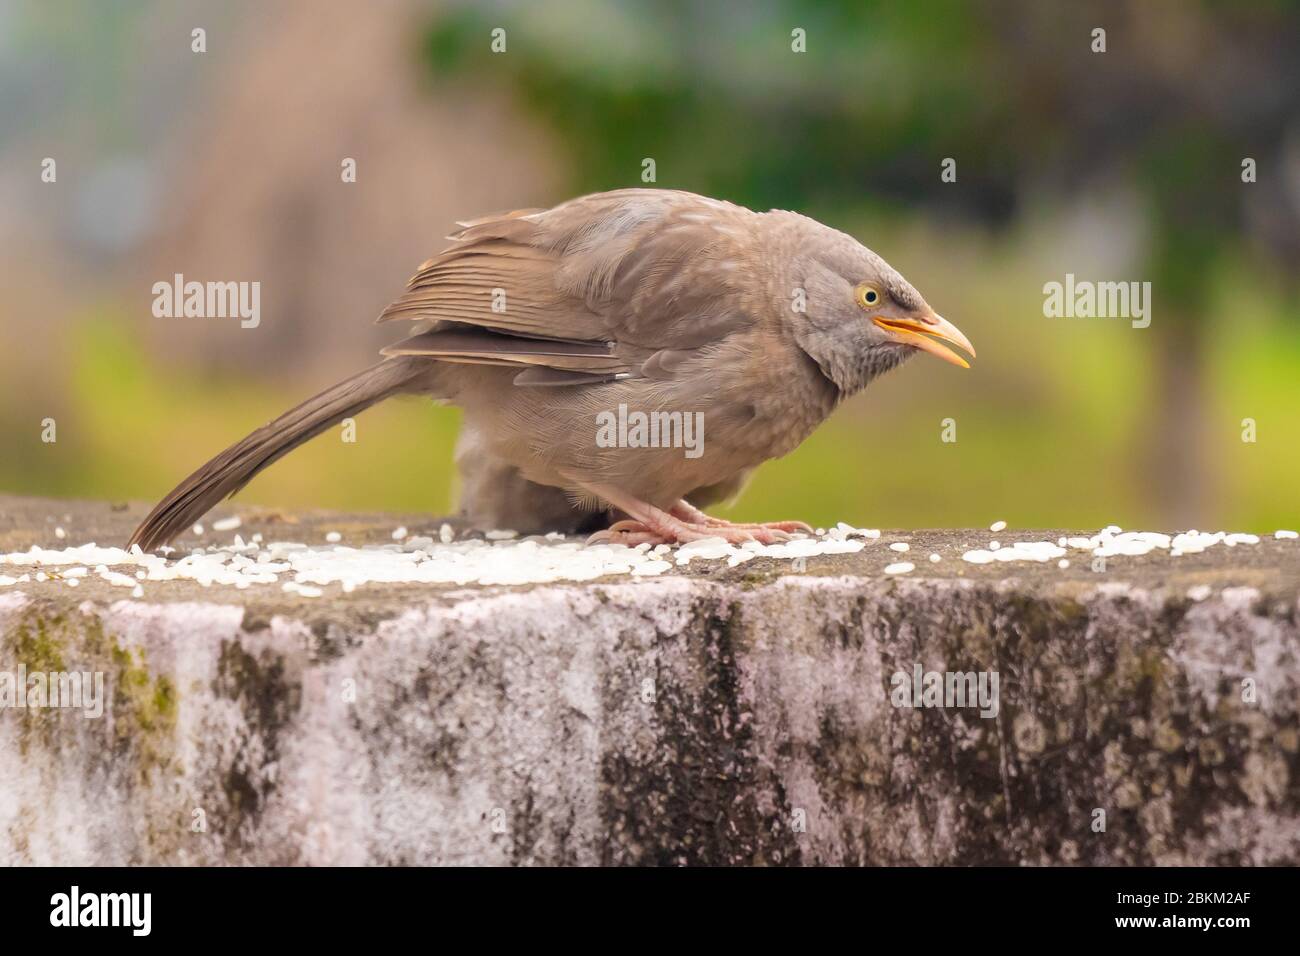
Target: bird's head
point(860, 317)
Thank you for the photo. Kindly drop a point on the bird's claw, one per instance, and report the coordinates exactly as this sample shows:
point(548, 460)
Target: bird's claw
point(633, 533)
point(629, 533)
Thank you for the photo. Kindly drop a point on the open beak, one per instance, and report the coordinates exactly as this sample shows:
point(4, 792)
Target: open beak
point(927, 332)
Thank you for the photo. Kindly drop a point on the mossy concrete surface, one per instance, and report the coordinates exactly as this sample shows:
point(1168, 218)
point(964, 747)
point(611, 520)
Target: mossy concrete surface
point(725, 716)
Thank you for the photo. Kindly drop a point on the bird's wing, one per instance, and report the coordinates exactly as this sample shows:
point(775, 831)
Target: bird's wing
point(611, 284)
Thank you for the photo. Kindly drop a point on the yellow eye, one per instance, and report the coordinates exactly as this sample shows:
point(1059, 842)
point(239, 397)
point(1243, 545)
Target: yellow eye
point(868, 296)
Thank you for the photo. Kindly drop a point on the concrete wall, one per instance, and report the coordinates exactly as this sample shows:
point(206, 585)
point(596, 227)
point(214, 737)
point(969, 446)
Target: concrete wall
point(666, 721)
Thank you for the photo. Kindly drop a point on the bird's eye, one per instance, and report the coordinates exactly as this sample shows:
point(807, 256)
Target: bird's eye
point(868, 296)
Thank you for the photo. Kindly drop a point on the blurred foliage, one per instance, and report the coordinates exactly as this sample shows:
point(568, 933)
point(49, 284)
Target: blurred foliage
point(719, 100)
point(1012, 88)
point(130, 428)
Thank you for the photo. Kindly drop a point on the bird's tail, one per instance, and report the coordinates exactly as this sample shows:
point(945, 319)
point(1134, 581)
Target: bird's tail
point(235, 467)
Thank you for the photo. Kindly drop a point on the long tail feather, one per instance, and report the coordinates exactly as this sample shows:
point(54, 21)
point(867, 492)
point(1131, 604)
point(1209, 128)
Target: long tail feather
point(235, 467)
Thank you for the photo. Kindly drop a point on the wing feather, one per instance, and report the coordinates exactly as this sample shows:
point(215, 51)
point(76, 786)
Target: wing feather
point(455, 343)
point(633, 273)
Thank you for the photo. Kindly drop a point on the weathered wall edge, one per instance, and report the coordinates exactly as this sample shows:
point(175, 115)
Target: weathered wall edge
point(667, 721)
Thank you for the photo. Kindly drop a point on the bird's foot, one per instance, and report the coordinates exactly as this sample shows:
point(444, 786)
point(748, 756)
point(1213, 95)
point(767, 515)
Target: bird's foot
point(633, 533)
point(685, 523)
point(630, 533)
point(693, 515)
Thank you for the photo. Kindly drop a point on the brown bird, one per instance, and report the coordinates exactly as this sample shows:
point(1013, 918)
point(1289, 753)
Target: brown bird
point(635, 352)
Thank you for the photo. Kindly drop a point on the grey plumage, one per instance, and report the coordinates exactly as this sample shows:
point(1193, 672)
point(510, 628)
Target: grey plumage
point(537, 321)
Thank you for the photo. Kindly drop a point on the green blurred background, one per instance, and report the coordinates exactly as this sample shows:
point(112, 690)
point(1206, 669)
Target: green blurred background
point(225, 165)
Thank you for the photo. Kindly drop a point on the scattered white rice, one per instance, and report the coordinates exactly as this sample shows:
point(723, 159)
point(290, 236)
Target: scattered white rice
point(504, 559)
point(900, 546)
point(848, 531)
point(116, 578)
point(1199, 592)
point(997, 526)
point(717, 548)
point(1111, 541)
point(60, 533)
point(1019, 551)
point(1279, 535)
point(304, 570)
point(305, 590)
point(197, 529)
point(935, 559)
point(227, 524)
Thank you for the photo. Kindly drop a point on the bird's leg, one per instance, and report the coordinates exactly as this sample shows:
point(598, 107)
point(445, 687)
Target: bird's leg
point(630, 533)
point(651, 525)
point(693, 515)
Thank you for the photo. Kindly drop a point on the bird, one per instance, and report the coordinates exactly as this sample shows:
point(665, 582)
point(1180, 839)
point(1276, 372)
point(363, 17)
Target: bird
point(545, 324)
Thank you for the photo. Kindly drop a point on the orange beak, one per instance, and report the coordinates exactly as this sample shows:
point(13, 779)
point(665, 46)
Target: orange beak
point(926, 332)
